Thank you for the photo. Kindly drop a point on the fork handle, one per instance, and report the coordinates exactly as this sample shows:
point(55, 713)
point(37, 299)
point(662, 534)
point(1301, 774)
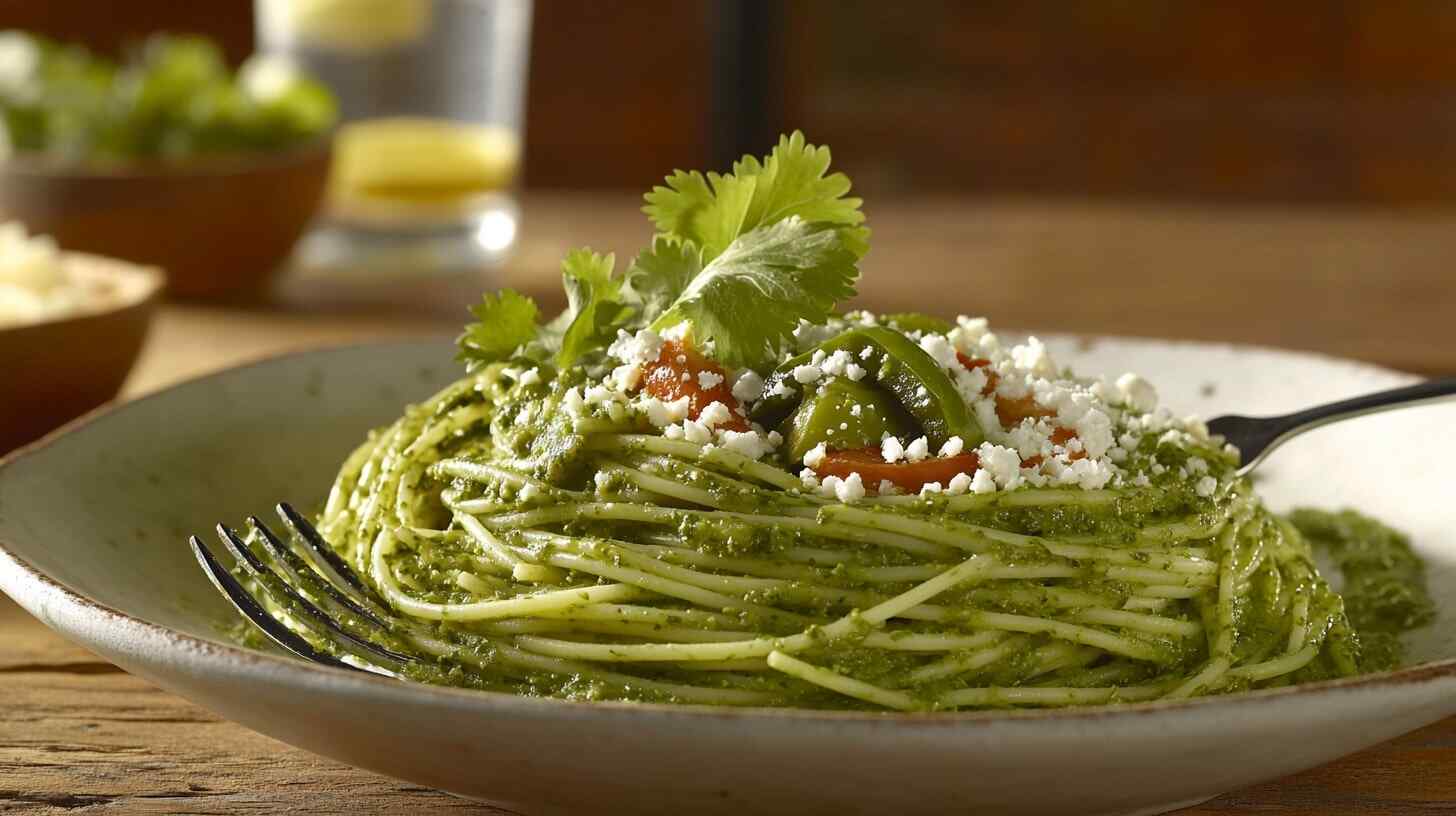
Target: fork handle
point(1403, 397)
point(1258, 436)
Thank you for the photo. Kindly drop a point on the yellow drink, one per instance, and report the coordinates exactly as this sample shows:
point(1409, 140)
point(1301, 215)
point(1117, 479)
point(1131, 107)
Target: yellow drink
point(419, 167)
point(431, 99)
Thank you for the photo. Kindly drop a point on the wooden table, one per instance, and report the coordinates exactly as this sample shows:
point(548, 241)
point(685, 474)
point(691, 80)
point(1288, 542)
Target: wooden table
point(76, 732)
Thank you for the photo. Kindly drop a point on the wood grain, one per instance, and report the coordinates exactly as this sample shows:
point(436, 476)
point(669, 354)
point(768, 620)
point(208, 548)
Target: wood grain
point(77, 733)
point(1239, 100)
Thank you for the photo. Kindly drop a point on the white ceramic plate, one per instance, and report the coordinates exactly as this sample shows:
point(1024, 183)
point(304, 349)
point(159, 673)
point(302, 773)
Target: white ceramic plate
point(92, 541)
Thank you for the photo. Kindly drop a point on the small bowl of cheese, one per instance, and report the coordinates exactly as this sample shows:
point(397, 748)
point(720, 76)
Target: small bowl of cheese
point(71, 327)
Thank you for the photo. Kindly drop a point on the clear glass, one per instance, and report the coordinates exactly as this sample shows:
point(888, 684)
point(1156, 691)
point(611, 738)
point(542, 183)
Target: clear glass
point(428, 152)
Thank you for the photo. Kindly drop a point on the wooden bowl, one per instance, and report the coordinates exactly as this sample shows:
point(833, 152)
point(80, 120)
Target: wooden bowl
point(220, 227)
point(55, 371)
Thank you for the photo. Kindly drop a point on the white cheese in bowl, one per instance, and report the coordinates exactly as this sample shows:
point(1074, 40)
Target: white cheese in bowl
point(36, 285)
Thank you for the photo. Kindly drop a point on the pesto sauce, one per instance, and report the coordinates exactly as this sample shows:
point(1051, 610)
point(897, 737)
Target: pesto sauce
point(1384, 580)
point(527, 429)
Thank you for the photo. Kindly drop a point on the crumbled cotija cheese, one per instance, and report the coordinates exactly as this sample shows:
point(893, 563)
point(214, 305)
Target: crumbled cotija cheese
point(815, 456)
point(917, 450)
point(748, 387)
point(891, 450)
point(643, 347)
point(36, 285)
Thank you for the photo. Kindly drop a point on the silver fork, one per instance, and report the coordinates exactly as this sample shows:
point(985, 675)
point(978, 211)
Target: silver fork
point(345, 611)
point(1256, 437)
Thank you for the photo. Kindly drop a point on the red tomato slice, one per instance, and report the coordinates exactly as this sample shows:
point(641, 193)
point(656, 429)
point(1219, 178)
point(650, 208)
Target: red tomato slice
point(1060, 436)
point(1012, 411)
point(972, 362)
point(674, 375)
point(909, 476)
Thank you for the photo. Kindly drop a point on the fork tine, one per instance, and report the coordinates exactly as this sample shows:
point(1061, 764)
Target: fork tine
point(300, 573)
point(254, 612)
point(309, 614)
point(329, 563)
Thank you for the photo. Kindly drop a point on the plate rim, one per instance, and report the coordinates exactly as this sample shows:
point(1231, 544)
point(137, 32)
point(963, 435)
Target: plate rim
point(67, 608)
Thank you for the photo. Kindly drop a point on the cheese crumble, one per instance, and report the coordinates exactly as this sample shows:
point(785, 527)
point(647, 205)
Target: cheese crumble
point(36, 284)
point(1043, 427)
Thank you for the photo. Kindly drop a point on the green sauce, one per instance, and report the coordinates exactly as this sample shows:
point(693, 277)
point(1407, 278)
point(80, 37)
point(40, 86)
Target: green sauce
point(1384, 580)
point(1126, 593)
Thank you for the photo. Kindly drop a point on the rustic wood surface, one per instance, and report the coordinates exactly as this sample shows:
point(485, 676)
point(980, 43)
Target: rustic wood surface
point(78, 733)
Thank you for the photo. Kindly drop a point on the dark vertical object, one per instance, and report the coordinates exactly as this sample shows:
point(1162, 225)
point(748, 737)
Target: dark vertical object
point(747, 90)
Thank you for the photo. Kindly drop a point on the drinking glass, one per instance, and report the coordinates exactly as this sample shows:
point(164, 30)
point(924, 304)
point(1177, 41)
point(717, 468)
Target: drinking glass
point(431, 96)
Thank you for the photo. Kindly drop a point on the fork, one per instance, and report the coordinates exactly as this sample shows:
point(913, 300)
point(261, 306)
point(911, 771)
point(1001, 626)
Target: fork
point(345, 611)
point(1257, 437)
point(341, 609)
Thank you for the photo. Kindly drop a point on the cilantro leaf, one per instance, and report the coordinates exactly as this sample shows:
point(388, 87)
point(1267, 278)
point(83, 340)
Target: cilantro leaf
point(594, 305)
point(660, 274)
point(750, 298)
point(715, 210)
point(743, 257)
point(503, 322)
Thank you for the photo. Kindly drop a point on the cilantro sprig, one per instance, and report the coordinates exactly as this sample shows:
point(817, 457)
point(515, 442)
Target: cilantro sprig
point(713, 211)
point(741, 257)
point(504, 321)
point(750, 298)
point(595, 303)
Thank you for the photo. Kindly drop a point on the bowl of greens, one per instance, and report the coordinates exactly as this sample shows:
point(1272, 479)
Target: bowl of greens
point(166, 156)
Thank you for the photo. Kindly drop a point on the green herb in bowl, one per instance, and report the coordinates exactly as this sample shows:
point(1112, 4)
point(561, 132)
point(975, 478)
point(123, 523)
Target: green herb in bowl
point(172, 98)
point(167, 158)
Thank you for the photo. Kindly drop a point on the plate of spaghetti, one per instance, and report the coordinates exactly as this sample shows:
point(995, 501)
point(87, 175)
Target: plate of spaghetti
point(710, 533)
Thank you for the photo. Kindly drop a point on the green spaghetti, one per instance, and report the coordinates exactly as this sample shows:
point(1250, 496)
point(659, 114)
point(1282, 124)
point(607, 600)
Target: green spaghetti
point(700, 484)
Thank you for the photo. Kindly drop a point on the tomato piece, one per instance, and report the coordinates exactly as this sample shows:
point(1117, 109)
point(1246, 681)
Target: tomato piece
point(972, 363)
point(675, 374)
point(1012, 411)
point(1060, 436)
point(908, 476)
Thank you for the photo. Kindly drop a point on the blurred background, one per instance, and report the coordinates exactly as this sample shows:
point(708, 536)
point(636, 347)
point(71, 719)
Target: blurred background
point(1308, 101)
point(1272, 173)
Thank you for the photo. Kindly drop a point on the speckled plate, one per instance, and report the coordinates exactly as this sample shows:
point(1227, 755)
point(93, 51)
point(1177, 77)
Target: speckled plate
point(92, 541)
